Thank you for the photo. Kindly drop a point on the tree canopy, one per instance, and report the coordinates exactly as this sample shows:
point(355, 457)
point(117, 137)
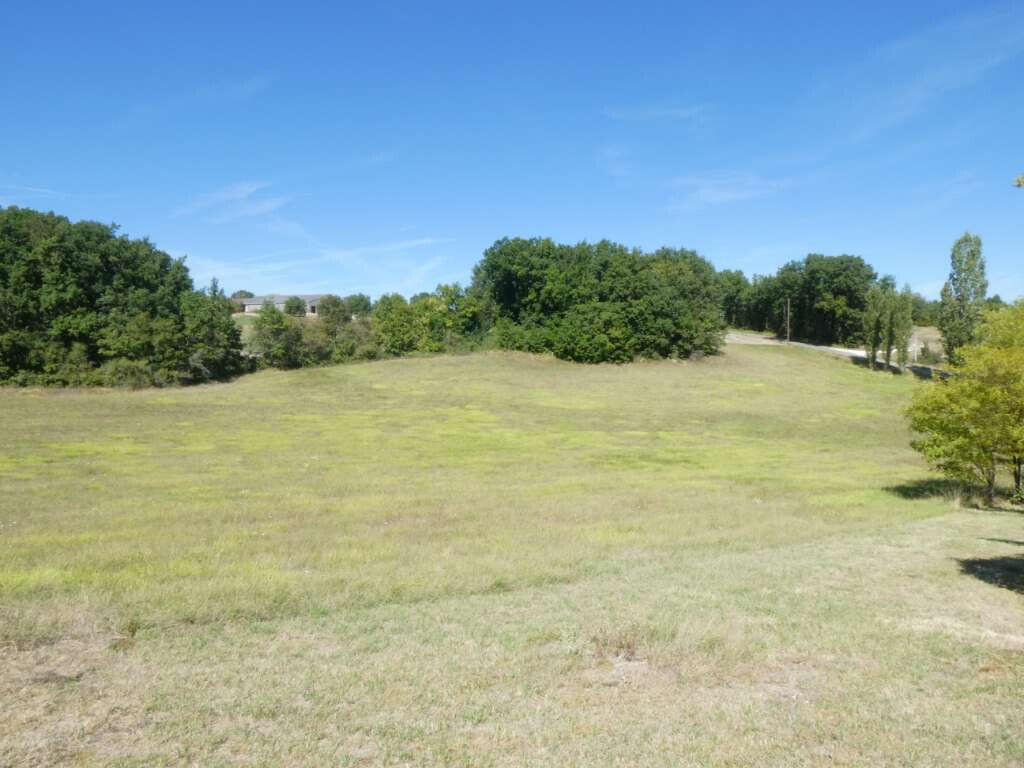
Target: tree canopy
point(973, 423)
point(962, 303)
point(600, 302)
point(80, 304)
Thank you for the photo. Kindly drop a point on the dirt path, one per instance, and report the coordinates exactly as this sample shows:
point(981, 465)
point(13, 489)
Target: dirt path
point(750, 338)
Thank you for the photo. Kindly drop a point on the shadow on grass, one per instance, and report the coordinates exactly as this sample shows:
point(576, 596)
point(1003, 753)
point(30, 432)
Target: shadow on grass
point(930, 488)
point(920, 371)
point(1005, 572)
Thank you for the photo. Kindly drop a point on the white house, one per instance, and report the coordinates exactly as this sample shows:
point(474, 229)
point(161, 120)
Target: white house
point(256, 303)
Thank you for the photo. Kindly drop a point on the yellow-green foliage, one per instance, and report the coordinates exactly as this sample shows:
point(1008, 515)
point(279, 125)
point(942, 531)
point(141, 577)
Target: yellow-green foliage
point(972, 423)
point(496, 559)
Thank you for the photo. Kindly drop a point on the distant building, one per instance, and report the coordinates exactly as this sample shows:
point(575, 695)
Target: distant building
point(256, 303)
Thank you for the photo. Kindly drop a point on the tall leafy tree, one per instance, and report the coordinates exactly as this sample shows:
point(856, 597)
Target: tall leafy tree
point(295, 306)
point(875, 319)
point(77, 297)
point(599, 302)
point(394, 323)
point(959, 431)
point(1000, 359)
point(735, 292)
point(973, 423)
point(962, 301)
point(902, 324)
point(277, 337)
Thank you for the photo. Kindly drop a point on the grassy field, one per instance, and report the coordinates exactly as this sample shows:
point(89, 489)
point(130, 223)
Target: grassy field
point(501, 560)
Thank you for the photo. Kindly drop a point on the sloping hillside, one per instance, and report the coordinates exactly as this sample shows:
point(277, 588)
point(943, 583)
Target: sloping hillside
point(500, 559)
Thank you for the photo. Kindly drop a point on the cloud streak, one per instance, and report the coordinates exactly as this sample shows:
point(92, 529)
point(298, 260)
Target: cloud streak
point(904, 78)
point(651, 114)
point(290, 271)
point(236, 201)
point(724, 187)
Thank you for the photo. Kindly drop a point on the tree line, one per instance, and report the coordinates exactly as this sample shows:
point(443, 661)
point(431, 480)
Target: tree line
point(591, 303)
point(81, 305)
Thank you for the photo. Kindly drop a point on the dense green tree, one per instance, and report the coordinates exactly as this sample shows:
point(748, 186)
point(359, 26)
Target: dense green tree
point(598, 302)
point(888, 323)
point(959, 431)
point(995, 302)
point(971, 424)
point(75, 297)
point(925, 311)
point(295, 306)
point(277, 338)
point(211, 336)
point(999, 358)
point(359, 304)
point(875, 316)
point(963, 296)
point(901, 326)
point(825, 297)
point(243, 294)
point(1020, 180)
point(333, 313)
point(394, 324)
point(735, 290)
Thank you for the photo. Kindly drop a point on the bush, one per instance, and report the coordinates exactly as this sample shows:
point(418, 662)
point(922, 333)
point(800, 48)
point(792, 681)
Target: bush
point(599, 303)
point(929, 356)
point(132, 374)
point(76, 296)
point(277, 338)
point(295, 306)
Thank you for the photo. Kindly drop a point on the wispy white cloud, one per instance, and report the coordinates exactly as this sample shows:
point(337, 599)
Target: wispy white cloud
point(381, 249)
point(652, 113)
point(236, 201)
point(16, 191)
point(724, 187)
point(246, 208)
point(904, 78)
point(241, 190)
point(35, 191)
point(374, 268)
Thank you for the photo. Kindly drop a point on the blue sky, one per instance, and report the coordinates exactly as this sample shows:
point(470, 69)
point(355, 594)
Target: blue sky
point(339, 147)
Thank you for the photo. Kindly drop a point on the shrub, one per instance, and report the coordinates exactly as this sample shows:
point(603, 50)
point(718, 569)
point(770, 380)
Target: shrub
point(76, 296)
point(295, 306)
point(599, 302)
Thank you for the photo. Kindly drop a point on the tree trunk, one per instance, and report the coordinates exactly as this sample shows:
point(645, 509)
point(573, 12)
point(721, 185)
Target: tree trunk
point(990, 486)
point(1018, 477)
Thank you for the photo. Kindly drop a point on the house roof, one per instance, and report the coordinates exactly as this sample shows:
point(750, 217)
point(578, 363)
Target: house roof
point(281, 298)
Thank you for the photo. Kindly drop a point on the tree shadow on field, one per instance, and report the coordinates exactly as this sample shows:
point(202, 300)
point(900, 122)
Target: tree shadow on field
point(1005, 572)
point(920, 371)
point(929, 488)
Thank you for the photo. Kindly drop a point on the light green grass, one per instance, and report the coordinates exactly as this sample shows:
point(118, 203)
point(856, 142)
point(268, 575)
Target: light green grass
point(498, 559)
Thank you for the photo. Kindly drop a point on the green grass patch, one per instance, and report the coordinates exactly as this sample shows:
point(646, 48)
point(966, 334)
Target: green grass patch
point(499, 559)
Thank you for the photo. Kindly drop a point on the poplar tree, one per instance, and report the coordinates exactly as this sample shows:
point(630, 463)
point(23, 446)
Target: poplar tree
point(902, 324)
point(874, 322)
point(963, 296)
